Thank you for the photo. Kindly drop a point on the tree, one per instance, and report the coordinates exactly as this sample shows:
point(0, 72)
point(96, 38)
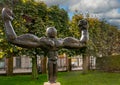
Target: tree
point(7, 49)
point(35, 22)
point(75, 32)
point(103, 38)
point(59, 19)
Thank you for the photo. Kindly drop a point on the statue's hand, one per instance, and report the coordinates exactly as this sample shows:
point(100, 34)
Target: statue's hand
point(83, 24)
point(7, 14)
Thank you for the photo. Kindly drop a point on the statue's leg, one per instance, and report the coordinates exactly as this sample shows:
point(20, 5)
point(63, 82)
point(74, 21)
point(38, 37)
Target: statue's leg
point(50, 71)
point(55, 68)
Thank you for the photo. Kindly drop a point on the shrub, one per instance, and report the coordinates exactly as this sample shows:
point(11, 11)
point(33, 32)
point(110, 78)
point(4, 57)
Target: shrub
point(110, 63)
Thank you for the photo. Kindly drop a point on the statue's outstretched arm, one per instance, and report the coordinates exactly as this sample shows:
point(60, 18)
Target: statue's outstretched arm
point(32, 41)
point(25, 40)
point(71, 42)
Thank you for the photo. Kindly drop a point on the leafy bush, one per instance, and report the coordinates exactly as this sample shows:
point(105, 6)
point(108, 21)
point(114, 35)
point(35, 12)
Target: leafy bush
point(110, 63)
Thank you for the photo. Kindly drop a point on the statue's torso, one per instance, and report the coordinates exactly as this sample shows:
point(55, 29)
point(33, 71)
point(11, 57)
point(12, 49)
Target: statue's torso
point(52, 51)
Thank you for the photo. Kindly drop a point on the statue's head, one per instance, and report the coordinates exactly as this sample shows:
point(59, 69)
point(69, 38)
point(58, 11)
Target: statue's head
point(51, 32)
point(7, 14)
point(83, 24)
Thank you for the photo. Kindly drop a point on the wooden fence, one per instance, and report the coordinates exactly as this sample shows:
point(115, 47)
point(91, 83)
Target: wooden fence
point(23, 65)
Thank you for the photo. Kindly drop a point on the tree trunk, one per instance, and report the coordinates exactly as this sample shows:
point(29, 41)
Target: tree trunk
point(69, 64)
point(85, 64)
point(34, 68)
point(9, 66)
point(44, 61)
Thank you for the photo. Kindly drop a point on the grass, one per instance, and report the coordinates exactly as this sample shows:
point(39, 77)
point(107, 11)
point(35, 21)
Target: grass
point(66, 78)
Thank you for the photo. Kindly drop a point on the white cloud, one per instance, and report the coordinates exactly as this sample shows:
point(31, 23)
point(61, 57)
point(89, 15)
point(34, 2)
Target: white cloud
point(115, 22)
point(53, 2)
point(93, 6)
point(107, 9)
point(112, 14)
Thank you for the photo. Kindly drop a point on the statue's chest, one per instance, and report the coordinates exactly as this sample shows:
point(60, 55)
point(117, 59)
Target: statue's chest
point(56, 45)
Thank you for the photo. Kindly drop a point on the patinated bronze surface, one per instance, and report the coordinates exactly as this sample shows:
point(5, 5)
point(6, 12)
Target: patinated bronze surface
point(50, 43)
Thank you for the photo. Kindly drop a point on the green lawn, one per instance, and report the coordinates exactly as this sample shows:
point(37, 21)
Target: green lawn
point(66, 78)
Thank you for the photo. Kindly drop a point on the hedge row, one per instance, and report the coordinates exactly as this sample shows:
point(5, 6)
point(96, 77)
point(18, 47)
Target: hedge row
point(110, 63)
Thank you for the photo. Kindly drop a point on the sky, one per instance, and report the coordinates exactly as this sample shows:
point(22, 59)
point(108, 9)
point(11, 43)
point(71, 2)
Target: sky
point(107, 9)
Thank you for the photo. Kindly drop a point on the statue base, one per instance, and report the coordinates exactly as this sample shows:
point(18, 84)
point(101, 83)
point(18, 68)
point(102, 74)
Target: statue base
point(47, 83)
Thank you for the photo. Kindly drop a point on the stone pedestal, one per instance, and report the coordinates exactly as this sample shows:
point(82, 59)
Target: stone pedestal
point(47, 83)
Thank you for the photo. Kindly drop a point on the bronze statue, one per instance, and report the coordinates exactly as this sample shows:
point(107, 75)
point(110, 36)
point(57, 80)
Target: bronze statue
point(50, 43)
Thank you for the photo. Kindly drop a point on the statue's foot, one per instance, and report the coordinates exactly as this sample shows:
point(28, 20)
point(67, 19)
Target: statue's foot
point(51, 82)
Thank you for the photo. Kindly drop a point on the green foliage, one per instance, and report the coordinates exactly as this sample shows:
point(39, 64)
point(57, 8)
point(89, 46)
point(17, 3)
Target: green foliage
point(33, 17)
point(103, 38)
point(30, 17)
point(59, 17)
point(74, 30)
point(6, 48)
point(110, 63)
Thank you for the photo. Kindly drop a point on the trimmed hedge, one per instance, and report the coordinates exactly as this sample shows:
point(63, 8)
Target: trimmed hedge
point(110, 63)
